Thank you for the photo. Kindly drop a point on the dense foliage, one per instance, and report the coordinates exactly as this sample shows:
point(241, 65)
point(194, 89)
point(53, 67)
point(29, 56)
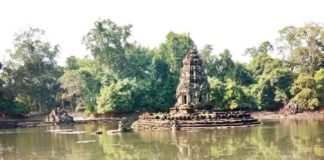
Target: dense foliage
point(122, 76)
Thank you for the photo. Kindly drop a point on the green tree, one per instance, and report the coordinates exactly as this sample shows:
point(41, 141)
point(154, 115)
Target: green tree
point(273, 77)
point(236, 98)
point(118, 97)
point(263, 64)
point(273, 89)
point(107, 42)
point(225, 65)
point(242, 76)
point(33, 70)
point(72, 63)
point(222, 67)
point(304, 92)
point(7, 100)
point(165, 70)
point(281, 79)
point(175, 47)
point(264, 47)
point(81, 85)
point(162, 86)
point(266, 95)
point(303, 46)
point(208, 58)
point(319, 79)
point(138, 61)
point(230, 96)
point(217, 92)
point(73, 85)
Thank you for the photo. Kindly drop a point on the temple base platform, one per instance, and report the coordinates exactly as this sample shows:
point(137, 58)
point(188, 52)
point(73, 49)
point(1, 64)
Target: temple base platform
point(197, 120)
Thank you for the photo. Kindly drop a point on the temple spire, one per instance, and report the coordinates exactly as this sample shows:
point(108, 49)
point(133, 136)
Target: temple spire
point(193, 89)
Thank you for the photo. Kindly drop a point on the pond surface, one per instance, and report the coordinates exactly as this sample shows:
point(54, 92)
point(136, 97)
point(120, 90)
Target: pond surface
point(284, 139)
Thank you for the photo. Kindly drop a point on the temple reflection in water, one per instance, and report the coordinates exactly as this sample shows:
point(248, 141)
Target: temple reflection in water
point(284, 139)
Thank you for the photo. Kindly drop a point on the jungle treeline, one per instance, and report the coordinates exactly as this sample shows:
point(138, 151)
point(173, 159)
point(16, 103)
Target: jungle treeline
point(122, 76)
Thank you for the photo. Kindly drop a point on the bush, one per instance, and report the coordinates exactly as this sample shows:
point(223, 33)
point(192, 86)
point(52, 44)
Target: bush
point(304, 92)
point(230, 96)
point(18, 109)
point(118, 97)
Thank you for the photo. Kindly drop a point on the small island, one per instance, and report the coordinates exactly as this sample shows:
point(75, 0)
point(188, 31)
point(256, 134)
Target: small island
point(193, 109)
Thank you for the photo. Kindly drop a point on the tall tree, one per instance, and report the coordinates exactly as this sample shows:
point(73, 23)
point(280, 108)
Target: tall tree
point(72, 63)
point(107, 42)
point(175, 47)
point(264, 47)
point(303, 46)
point(207, 56)
point(162, 85)
point(34, 69)
point(81, 84)
point(222, 66)
point(73, 86)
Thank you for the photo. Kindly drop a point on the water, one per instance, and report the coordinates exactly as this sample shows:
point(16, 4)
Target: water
point(285, 139)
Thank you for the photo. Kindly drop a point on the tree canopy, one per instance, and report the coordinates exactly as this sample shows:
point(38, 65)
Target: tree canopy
point(123, 76)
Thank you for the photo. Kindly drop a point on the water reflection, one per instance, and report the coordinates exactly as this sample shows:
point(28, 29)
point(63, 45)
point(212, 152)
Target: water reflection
point(285, 139)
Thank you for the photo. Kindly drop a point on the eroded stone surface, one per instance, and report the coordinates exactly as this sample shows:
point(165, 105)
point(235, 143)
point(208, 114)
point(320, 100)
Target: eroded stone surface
point(59, 115)
point(291, 108)
point(197, 120)
point(193, 89)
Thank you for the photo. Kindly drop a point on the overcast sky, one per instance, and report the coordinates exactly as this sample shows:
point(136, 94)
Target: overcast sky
point(231, 24)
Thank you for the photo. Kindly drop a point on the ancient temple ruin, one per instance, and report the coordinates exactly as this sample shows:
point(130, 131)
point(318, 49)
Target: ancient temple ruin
point(192, 109)
point(193, 90)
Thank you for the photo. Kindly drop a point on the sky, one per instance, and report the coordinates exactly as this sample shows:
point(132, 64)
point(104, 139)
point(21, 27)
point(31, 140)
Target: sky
point(225, 24)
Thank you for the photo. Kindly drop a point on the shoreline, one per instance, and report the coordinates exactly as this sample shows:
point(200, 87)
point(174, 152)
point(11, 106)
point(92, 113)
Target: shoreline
point(275, 115)
point(39, 121)
point(26, 123)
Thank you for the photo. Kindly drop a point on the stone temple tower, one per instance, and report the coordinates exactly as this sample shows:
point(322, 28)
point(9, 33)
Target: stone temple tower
point(193, 89)
point(192, 110)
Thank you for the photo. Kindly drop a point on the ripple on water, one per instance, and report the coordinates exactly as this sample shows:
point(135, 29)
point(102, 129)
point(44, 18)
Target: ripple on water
point(85, 141)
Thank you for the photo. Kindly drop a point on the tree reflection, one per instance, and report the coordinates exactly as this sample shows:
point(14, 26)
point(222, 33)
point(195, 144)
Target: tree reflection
point(284, 139)
point(287, 139)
